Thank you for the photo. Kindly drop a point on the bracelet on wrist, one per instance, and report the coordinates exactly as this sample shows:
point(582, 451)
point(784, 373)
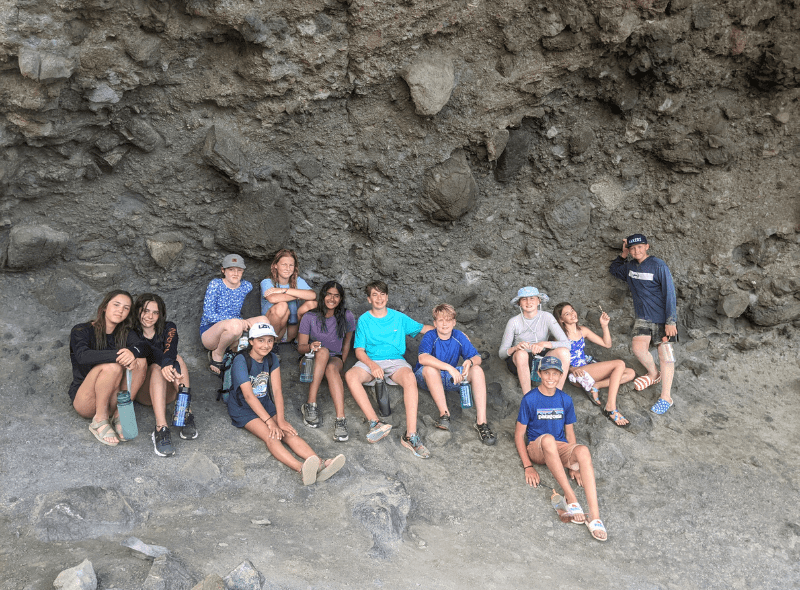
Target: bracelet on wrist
point(528, 467)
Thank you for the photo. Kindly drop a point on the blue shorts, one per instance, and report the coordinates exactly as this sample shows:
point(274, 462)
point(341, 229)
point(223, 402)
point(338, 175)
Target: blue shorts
point(447, 380)
point(204, 328)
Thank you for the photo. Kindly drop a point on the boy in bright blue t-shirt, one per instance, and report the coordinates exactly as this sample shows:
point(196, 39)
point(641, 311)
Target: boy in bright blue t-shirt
point(545, 435)
point(380, 344)
point(437, 369)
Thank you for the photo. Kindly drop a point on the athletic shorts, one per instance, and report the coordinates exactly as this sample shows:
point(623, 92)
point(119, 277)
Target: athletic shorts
point(655, 331)
point(565, 451)
point(512, 368)
point(204, 328)
point(390, 367)
point(447, 380)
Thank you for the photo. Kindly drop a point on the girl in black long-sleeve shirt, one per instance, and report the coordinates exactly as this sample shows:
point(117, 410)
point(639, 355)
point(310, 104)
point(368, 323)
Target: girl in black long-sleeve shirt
point(100, 351)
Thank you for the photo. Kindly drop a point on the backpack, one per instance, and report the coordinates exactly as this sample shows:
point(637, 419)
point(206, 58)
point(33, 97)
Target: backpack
point(227, 389)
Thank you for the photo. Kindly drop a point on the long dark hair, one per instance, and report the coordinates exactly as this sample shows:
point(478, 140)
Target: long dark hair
point(143, 300)
point(284, 253)
point(338, 311)
point(99, 323)
point(557, 312)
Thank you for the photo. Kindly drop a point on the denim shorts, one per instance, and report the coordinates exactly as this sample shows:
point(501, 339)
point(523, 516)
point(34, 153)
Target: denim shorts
point(447, 380)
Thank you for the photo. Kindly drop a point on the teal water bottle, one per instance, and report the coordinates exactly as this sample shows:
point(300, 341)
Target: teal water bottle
point(535, 368)
point(127, 416)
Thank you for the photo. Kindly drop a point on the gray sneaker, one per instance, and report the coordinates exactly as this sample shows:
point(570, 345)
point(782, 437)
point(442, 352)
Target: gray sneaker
point(443, 422)
point(340, 433)
point(377, 430)
point(486, 434)
point(162, 442)
point(414, 442)
point(310, 416)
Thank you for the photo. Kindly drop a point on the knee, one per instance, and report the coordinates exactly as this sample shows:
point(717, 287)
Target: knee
point(562, 354)
point(548, 442)
point(430, 373)
point(323, 354)
point(476, 372)
point(619, 365)
point(521, 358)
point(582, 454)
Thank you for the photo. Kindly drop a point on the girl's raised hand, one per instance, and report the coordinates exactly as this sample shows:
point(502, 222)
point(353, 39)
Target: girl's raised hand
point(604, 319)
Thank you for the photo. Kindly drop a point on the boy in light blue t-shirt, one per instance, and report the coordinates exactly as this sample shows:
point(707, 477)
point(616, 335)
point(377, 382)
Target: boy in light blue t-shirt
point(380, 344)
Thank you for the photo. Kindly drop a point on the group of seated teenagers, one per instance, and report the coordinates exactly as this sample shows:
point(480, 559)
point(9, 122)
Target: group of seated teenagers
point(146, 344)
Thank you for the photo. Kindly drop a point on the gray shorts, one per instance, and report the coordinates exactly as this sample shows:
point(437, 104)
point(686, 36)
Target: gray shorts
point(389, 367)
point(655, 331)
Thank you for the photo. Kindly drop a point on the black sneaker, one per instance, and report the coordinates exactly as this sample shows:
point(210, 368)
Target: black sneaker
point(443, 422)
point(486, 434)
point(311, 416)
point(189, 430)
point(162, 442)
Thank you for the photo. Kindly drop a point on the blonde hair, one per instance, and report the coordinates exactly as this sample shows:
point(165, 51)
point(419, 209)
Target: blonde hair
point(446, 310)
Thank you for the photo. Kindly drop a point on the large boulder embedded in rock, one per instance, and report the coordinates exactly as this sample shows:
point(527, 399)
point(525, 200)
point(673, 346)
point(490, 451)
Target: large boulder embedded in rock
point(450, 189)
point(30, 246)
point(430, 79)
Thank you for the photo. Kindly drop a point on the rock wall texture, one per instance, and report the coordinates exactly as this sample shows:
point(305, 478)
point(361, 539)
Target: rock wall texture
point(456, 149)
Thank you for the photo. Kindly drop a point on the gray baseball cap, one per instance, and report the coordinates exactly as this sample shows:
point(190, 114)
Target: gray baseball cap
point(233, 260)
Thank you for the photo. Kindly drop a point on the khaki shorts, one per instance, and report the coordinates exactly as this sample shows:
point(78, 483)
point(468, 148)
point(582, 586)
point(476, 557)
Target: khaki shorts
point(565, 450)
point(389, 367)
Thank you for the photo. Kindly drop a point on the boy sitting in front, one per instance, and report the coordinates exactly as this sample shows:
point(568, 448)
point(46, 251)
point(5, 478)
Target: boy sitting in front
point(380, 344)
point(545, 435)
point(437, 369)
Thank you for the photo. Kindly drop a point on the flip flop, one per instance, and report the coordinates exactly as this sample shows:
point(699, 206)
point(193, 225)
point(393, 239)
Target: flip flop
point(560, 506)
point(325, 471)
point(216, 364)
point(661, 406)
point(101, 430)
point(615, 416)
point(574, 510)
point(309, 471)
point(595, 527)
point(642, 383)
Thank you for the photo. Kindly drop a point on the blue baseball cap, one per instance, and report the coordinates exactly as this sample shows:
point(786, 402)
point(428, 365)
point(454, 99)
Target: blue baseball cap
point(530, 292)
point(636, 239)
point(550, 362)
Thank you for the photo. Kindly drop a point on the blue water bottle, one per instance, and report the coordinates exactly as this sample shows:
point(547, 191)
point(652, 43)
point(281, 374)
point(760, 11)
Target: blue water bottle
point(466, 394)
point(535, 368)
point(127, 415)
point(181, 406)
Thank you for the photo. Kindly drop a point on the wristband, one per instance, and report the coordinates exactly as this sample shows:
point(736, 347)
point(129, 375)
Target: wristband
point(528, 467)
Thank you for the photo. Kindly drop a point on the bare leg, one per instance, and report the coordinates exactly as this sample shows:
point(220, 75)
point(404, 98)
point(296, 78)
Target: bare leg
point(433, 380)
point(667, 373)
point(157, 392)
point(183, 378)
point(522, 362)
point(553, 462)
point(291, 331)
point(278, 316)
point(333, 373)
point(641, 348)
point(628, 375)
point(478, 379)
point(276, 447)
point(221, 335)
point(93, 398)
point(356, 377)
point(610, 371)
point(583, 457)
point(320, 365)
point(405, 379)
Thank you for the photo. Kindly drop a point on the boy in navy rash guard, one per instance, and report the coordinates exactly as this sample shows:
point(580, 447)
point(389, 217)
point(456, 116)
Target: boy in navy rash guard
point(654, 304)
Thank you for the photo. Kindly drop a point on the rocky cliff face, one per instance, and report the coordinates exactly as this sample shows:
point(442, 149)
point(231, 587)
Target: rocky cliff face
point(456, 149)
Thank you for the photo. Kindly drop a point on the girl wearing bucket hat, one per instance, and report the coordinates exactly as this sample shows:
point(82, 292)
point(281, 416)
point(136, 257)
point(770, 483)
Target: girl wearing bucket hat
point(526, 335)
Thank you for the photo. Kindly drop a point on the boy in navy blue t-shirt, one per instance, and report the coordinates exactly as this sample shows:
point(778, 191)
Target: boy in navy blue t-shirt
point(437, 369)
point(545, 435)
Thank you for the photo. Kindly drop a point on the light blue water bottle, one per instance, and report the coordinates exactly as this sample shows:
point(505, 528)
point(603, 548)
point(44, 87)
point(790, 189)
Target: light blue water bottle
point(127, 415)
point(307, 368)
point(466, 394)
